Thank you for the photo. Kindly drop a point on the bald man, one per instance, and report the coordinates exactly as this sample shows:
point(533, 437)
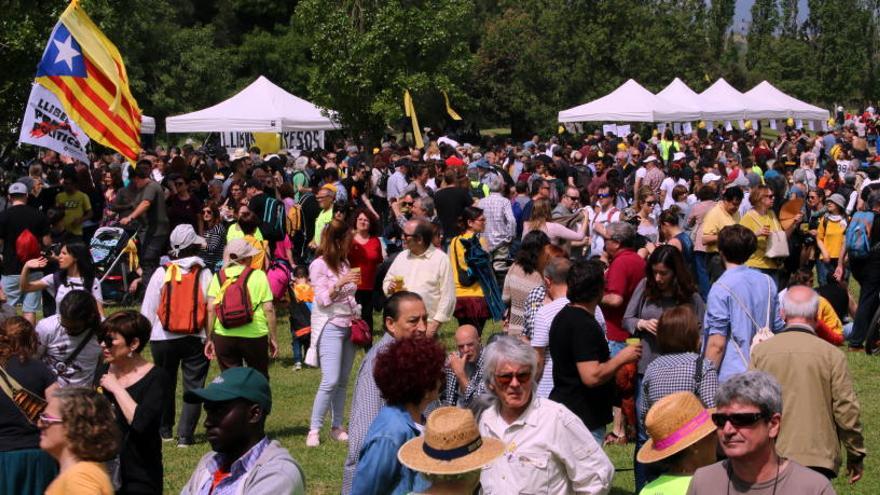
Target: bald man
point(464, 369)
point(817, 391)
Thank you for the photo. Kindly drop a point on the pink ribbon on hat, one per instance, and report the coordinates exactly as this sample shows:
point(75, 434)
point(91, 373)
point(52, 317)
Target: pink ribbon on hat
point(685, 430)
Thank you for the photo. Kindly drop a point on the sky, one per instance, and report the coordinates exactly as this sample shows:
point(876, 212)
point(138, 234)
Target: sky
point(743, 14)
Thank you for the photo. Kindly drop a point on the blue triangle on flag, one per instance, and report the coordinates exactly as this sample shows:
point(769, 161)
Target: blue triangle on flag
point(62, 56)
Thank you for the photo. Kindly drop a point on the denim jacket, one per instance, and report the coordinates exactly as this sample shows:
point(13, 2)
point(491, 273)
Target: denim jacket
point(378, 470)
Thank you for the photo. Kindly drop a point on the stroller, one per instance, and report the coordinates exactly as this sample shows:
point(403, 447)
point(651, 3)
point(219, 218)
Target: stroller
point(108, 247)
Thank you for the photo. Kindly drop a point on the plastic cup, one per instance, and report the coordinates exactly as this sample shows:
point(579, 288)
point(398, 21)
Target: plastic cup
point(633, 341)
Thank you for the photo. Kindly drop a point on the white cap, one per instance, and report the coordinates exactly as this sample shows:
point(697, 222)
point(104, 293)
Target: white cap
point(678, 156)
point(18, 188)
point(650, 159)
point(184, 236)
point(710, 177)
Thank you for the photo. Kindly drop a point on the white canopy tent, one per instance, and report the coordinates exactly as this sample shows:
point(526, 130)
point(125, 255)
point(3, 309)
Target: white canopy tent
point(772, 98)
point(629, 103)
point(260, 107)
point(721, 101)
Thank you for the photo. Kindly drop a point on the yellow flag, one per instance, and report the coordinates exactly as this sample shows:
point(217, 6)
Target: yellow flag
point(268, 142)
point(561, 129)
point(411, 112)
point(452, 113)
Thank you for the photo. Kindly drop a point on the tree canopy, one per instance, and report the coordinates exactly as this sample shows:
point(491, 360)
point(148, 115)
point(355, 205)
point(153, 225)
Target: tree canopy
point(502, 62)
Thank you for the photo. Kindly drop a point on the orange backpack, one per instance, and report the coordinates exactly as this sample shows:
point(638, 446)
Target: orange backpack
point(182, 306)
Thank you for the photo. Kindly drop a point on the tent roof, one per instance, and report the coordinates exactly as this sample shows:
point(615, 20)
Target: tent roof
point(682, 95)
point(260, 107)
point(148, 125)
point(721, 101)
point(629, 103)
point(771, 97)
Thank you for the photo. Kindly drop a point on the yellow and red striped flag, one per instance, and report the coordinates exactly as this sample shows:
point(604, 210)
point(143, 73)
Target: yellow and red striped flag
point(85, 71)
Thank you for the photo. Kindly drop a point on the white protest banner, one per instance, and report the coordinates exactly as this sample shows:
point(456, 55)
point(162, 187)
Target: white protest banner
point(773, 124)
point(623, 130)
point(676, 127)
point(661, 128)
point(710, 126)
point(609, 129)
point(742, 124)
point(728, 125)
point(811, 126)
point(799, 124)
point(686, 128)
point(580, 127)
point(46, 124)
point(291, 140)
point(825, 126)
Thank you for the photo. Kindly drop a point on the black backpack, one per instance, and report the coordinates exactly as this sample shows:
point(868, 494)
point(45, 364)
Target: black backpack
point(274, 220)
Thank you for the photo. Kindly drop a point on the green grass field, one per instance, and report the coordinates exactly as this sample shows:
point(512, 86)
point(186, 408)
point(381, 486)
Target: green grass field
point(293, 392)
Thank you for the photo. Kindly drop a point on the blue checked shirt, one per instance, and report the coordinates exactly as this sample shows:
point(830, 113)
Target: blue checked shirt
point(237, 471)
point(500, 222)
point(452, 395)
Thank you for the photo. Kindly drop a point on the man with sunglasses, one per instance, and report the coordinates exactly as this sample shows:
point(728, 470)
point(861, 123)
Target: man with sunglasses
point(568, 203)
point(819, 399)
point(548, 448)
point(749, 417)
point(606, 214)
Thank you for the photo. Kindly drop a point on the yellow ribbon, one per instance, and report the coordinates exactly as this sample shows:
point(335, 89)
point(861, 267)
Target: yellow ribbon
point(173, 272)
point(452, 113)
point(229, 281)
point(131, 250)
point(411, 112)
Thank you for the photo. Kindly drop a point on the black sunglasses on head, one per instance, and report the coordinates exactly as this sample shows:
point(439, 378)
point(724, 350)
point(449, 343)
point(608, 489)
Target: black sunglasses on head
point(738, 420)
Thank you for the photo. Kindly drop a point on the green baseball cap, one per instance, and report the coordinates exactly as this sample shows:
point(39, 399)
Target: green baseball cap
point(235, 383)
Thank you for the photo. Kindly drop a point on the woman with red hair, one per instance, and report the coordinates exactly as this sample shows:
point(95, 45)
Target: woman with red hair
point(409, 374)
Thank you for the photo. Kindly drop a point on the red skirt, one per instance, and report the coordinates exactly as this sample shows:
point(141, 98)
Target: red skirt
point(471, 307)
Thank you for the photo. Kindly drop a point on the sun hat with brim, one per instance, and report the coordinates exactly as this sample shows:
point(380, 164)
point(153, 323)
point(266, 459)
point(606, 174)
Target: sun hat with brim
point(674, 423)
point(838, 199)
point(451, 445)
point(238, 154)
point(238, 249)
point(790, 210)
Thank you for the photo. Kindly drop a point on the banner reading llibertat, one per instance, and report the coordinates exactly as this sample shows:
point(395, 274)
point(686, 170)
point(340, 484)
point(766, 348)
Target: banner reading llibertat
point(46, 124)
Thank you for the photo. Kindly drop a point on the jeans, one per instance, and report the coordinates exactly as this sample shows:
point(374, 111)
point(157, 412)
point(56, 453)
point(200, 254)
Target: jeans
point(30, 301)
point(599, 435)
point(702, 273)
point(336, 353)
point(300, 346)
point(825, 271)
point(186, 353)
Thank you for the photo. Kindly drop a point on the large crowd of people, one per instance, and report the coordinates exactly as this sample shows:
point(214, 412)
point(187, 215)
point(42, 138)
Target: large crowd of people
point(653, 290)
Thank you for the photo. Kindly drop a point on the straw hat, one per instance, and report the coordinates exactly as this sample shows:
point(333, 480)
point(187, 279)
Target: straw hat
point(674, 423)
point(789, 211)
point(451, 445)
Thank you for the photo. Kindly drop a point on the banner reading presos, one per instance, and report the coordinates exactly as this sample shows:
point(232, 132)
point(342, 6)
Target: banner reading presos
point(46, 124)
point(291, 140)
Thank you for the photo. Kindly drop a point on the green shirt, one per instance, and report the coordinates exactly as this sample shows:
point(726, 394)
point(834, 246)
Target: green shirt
point(325, 217)
point(667, 484)
point(258, 288)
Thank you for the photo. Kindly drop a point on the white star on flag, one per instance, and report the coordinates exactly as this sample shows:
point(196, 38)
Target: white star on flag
point(66, 51)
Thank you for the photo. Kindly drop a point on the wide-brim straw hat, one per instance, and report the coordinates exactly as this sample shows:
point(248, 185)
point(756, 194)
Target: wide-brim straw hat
point(451, 445)
point(789, 211)
point(674, 423)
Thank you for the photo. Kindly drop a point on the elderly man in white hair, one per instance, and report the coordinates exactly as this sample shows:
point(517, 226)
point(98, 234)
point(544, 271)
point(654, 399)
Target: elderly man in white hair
point(300, 177)
point(821, 407)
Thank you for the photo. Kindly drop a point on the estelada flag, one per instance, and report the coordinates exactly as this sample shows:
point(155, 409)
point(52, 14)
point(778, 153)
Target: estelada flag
point(85, 71)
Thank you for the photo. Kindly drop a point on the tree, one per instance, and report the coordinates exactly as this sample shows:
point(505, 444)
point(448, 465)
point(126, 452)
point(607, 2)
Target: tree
point(368, 52)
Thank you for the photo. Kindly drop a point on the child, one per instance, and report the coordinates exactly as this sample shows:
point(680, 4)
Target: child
point(301, 314)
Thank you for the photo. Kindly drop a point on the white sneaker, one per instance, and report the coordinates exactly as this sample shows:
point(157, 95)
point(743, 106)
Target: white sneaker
point(339, 435)
point(297, 366)
point(313, 440)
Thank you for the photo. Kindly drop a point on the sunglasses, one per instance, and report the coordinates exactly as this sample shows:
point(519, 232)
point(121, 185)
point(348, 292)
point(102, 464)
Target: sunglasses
point(49, 420)
point(603, 195)
point(739, 420)
point(504, 379)
point(574, 198)
point(406, 204)
point(207, 212)
point(650, 203)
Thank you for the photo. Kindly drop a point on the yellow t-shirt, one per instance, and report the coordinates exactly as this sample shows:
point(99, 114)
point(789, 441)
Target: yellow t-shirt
point(456, 259)
point(260, 292)
point(755, 222)
point(829, 316)
point(715, 220)
point(75, 206)
point(84, 478)
point(832, 235)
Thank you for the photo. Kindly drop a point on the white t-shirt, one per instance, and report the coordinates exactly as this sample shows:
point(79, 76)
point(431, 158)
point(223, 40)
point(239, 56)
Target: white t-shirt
point(597, 242)
point(668, 185)
point(56, 346)
point(72, 283)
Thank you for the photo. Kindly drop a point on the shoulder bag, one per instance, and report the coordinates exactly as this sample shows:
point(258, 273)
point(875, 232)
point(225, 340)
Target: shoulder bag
point(29, 403)
point(777, 241)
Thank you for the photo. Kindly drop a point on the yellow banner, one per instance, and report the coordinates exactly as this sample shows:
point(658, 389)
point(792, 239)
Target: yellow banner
point(411, 112)
point(452, 113)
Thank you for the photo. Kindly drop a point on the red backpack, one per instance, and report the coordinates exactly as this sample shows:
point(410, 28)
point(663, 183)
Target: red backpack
point(27, 247)
point(177, 312)
point(235, 310)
